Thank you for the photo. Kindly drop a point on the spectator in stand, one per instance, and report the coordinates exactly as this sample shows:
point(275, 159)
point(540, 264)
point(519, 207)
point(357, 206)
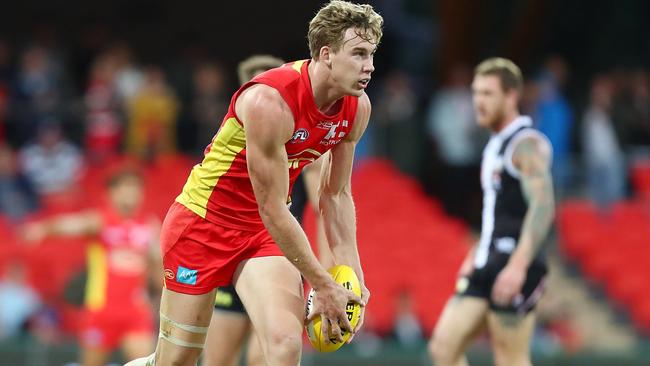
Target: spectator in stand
point(51, 163)
point(38, 91)
point(458, 143)
point(152, 117)
point(394, 132)
point(554, 117)
point(17, 195)
point(601, 149)
point(209, 102)
point(103, 122)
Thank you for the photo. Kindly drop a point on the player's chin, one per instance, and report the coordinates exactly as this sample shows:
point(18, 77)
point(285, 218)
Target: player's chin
point(356, 92)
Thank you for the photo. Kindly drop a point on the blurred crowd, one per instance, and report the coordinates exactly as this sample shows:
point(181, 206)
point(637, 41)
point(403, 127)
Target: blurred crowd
point(63, 111)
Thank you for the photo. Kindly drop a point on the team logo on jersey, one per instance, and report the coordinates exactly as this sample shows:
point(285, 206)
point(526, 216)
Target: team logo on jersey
point(169, 274)
point(300, 135)
point(186, 275)
point(333, 137)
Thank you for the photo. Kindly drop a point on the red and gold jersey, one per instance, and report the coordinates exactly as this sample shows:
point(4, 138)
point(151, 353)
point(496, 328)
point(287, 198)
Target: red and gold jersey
point(117, 262)
point(219, 189)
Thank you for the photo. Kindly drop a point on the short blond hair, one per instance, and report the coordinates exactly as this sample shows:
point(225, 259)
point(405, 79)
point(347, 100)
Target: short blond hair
point(328, 27)
point(507, 71)
point(256, 64)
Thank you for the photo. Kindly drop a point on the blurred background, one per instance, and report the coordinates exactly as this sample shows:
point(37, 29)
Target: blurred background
point(86, 86)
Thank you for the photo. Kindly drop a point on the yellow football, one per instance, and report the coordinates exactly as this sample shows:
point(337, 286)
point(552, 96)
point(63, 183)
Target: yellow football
point(346, 277)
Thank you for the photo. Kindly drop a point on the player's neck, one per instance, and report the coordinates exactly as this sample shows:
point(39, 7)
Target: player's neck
point(325, 95)
point(506, 121)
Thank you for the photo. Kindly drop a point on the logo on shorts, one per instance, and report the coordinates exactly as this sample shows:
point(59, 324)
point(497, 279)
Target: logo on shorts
point(186, 275)
point(169, 274)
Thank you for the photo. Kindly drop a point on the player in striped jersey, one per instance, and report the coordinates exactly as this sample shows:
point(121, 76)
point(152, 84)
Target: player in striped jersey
point(502, 278)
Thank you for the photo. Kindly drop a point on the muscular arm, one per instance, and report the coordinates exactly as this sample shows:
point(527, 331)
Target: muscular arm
point(84, 223)
point(532, 158)
point(268, 126)
point(336, 204)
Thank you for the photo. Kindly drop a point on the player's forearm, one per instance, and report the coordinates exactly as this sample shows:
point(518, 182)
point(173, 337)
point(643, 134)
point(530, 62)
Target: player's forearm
point(291, 239)
point(534, 230)
point(339, 220)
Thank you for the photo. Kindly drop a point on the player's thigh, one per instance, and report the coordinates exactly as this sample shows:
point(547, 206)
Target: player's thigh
point(180, 312)
point(226, 336)
point(462, 319)
point(271, 290)
point(136, 345)
point(511, 335)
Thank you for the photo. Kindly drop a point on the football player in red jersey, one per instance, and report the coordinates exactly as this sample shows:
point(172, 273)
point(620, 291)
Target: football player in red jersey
point(231, 223)
point(120, 262)
point(229, 315)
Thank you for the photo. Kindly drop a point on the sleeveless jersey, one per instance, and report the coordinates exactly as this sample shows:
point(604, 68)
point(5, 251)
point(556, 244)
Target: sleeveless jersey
point(117, 262)
point(219, 189)
point(504, 205)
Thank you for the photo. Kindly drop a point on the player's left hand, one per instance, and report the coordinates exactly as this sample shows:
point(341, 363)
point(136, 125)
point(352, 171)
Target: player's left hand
point(365, 295)
point(508, 284)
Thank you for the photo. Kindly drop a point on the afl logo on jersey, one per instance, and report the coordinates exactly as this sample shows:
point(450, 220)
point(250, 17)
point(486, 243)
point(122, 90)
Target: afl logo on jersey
point(300, 136)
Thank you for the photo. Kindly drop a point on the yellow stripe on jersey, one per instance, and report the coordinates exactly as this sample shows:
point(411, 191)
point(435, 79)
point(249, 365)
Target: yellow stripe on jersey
point(95, 296)
point(226, 145)
point(298, 66)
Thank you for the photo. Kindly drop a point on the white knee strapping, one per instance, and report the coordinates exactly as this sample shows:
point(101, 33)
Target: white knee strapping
point(168, 332)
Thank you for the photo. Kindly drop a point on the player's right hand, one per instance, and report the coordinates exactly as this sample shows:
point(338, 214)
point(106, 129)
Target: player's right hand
point(329, 303)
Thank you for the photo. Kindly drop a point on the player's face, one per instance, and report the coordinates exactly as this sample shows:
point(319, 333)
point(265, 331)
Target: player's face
point(127, 194)
point(352, 64)
point(489, 101)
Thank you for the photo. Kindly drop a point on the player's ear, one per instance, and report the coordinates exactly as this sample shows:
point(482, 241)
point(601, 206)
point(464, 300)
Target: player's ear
point(325, 55)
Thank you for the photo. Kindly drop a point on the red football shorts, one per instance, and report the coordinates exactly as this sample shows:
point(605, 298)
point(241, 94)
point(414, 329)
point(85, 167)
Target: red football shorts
point(199, 255)
point(107, 328)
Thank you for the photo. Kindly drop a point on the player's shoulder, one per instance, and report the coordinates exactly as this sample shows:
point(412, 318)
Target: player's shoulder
point(262, 99)
point(286, 74)
point(534, 139)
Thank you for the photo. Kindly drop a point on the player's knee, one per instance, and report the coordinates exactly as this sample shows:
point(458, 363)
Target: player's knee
point(283, 347)
point(441, 351)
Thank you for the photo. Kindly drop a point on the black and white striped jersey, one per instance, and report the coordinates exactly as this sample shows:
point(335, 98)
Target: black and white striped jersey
point(504, 205)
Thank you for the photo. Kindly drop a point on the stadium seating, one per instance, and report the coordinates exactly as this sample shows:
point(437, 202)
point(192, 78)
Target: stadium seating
point(612, 249)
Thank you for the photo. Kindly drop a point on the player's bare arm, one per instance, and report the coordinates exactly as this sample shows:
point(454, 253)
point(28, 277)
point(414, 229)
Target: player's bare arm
point(335, 201)
point(268, 123)
point(336, 204)
point(84, 223)
point(532, 158)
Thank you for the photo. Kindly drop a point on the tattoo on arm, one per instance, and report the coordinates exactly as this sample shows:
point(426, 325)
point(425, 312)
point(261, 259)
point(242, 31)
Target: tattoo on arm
point(537, 187)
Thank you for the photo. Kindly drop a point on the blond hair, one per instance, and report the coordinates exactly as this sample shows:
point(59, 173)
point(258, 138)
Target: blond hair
point(328, 27)
point(508, 73)
point(256, 64)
